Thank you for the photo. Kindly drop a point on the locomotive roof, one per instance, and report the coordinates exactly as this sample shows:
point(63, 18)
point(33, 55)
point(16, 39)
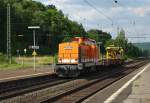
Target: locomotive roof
point(84, 38)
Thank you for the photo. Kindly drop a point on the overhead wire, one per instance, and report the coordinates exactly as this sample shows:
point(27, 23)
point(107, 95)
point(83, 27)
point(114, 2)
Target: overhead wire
point(102, 13)
point(99, 11)
point(133, 23)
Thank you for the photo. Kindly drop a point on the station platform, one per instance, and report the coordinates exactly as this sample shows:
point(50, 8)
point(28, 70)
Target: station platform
point(8, 75)
point(140, 89)
point(134, 88)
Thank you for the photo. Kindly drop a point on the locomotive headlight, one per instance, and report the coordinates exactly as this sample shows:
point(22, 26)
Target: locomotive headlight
point(76, 60)
point(60, 60)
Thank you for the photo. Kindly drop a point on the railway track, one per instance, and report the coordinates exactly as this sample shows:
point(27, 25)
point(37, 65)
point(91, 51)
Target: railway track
point(22, 86)
point(82, 92)
point(53, 89)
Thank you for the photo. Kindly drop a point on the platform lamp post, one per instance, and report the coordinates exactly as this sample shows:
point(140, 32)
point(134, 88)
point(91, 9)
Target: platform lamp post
point(34, 47)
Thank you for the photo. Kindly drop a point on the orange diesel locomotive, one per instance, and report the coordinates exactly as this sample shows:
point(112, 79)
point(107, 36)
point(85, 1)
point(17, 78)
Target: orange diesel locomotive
point(83, 54)
point(76, 56)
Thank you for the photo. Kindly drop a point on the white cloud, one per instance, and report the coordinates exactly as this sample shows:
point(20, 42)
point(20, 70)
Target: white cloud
point(139, 11)
point(122, 16)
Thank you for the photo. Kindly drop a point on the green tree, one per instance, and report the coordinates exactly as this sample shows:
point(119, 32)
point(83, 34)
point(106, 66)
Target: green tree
point(2, 26)
point(129, 49)
point(121, 40)
point(55, 26)
point(99, 35)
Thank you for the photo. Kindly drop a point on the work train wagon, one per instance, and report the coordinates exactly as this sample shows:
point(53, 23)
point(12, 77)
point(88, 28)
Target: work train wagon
point(114, 56)
point(82, 54)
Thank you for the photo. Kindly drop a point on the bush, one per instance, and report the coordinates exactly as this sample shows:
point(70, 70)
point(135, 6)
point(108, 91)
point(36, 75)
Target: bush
point(56, 59)
point(3, 58)
point(125, 57)
point(44, 50)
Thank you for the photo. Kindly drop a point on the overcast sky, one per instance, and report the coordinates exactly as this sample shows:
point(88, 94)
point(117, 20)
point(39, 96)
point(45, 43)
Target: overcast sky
point(131, 15)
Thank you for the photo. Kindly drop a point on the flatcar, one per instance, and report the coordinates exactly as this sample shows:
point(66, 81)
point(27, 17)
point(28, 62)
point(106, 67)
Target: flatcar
point(83, 54)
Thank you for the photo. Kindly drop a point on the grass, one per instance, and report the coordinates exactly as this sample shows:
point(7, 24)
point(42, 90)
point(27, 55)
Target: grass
point(23, 62)
point(40, 60)
point(13, 66)
point(4, 65)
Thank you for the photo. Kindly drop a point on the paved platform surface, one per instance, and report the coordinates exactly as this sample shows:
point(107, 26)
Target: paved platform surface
point(140, 89)
point(137, 91)
point(7, 75)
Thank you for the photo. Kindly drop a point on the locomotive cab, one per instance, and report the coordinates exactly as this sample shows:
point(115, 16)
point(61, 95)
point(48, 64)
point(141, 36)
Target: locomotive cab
point(75, 56)
point(68, 59)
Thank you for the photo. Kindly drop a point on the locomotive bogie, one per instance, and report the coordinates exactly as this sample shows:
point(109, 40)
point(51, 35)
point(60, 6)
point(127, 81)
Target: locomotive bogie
point(67, 70)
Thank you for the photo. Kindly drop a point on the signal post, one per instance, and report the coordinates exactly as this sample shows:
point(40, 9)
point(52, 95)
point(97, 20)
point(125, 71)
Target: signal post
point(34, 47)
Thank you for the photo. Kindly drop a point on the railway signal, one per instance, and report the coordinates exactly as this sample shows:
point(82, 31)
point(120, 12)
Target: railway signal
point(34, 46)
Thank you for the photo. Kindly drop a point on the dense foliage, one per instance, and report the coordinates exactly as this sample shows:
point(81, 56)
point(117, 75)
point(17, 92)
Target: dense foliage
point(129, 49)
point(55, 27)
point(100, 36)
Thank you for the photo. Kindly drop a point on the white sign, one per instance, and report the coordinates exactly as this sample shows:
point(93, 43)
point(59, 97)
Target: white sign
point(33, 27)
point(34, 47)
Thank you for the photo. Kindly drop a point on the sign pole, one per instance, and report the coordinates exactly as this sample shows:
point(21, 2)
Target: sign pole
point(34, 48)
point(34, 62)
point(34, 45)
